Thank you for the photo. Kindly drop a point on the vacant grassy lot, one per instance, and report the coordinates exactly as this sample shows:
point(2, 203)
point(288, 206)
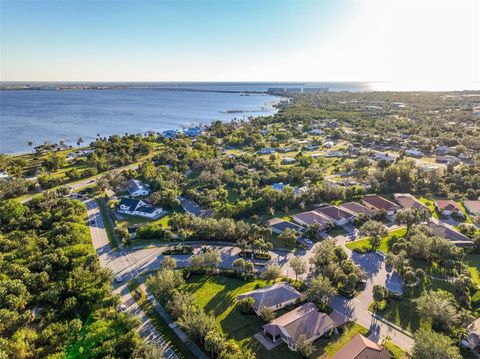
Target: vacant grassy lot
point(403, 312)
point(217, 296)
point(364, 243)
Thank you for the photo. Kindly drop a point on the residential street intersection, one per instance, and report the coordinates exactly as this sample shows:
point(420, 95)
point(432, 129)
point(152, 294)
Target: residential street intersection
point(134, 262)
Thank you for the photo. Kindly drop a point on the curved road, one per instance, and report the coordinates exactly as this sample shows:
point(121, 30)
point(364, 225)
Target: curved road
point(129, 264)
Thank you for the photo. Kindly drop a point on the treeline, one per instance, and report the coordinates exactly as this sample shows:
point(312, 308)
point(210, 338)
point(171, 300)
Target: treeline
point(55, 298)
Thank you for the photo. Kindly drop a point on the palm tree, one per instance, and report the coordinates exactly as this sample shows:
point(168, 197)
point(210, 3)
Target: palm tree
point(80, 141)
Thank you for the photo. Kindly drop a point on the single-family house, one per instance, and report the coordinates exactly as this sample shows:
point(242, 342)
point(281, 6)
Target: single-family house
point(192, 207)
point(279, 225)
point(384, 157)
point(266, 151)
point(356, 208)
point(287, 149)
point(305, 320)
point(137, 188)
point(193, 131)
point(443, 150)
point(275, 297)
point(414, 153)
point(328, 144)
point(135, 207)
point(377, 203)
point(312, 217)
point(170, 133)
point(4, 175)
point(406, 200)
point(338, 215)
point(446, 231)
point(473, 339)
point(278, 186)
point(288, 160)
point(448, 159)
point(447, 207)
point(473, 207)
point(315, 132)
point(360, 347)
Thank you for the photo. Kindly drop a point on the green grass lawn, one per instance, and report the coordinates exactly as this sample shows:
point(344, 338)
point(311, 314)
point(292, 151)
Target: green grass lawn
point(217, 296)
point(464, 210)
point(364, 243)
point(160, 325)
point(473, 262)
point(430, 204)
point(108, 225)
point(136, 220)
point(396, 351)
point(337, 232)
point(326, 348)
point(403, 312)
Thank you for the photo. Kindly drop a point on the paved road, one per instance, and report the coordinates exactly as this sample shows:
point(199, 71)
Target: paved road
point(75, 186)
point(120, 263)
point(132, 263)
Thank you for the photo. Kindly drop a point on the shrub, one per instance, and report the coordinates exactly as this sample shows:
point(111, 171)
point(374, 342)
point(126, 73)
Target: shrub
point(381, 305)
point(267, 314)
point(246, 305)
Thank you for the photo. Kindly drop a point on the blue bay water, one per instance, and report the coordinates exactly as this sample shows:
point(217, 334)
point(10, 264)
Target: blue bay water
point(39, 116)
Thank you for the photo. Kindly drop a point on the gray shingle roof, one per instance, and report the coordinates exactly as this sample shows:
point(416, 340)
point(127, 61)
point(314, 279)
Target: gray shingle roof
point(272, 295)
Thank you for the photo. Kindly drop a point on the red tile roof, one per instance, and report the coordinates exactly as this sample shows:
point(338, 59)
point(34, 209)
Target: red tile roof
point(447, 204)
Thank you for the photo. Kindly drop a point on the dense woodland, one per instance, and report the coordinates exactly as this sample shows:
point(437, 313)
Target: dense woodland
point(55, 299)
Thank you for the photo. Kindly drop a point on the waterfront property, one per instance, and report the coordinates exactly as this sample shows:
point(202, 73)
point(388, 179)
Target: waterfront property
point(275, 297)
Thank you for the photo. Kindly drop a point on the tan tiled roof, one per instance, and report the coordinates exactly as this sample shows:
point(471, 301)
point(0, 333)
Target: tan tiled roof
point(362, 348)
point(356, 208)
point(312, 217)
point(380, 202)
point(406, 200)
point(473, 205)
point(306, 320)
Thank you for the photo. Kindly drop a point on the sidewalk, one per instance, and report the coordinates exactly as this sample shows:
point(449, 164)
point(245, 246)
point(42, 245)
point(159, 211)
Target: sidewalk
point(179, 332)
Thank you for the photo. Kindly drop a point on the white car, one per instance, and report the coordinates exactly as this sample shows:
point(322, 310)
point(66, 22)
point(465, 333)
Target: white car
point(122, 308)
point(118, 278)
point(308, 241)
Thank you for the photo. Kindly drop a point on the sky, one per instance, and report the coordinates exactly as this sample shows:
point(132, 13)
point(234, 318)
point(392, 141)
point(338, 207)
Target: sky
point(428, 41)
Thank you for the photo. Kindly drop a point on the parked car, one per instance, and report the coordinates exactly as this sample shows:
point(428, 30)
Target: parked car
point(118, 278)
point(308, 241)
point(122, 308)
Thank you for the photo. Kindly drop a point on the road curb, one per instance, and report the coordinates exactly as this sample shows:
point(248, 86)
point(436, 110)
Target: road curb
point(394, 326)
